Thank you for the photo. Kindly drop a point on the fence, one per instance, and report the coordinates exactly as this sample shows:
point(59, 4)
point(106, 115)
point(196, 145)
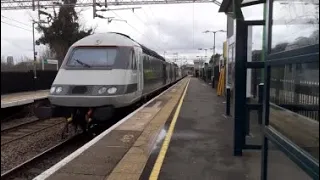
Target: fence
point(296, 87)
point(13, 82)
point(301, 97)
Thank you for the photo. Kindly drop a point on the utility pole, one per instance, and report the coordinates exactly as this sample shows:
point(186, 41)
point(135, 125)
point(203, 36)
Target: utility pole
point(214, 43)
point(34, 52)
point(49, 18)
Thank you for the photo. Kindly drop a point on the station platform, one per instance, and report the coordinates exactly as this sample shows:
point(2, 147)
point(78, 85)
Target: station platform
point(18, 99)
point(181, 134)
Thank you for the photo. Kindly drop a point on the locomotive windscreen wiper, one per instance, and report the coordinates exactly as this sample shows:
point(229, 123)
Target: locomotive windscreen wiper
point(82, 63)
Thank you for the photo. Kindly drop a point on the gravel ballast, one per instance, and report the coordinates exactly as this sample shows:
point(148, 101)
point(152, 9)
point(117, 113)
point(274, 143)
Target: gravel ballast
point(21, 150)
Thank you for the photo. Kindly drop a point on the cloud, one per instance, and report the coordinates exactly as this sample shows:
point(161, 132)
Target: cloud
point(171, 28)
point(174, 28)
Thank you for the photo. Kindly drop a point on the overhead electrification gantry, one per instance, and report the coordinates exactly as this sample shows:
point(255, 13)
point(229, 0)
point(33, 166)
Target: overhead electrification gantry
point(42, 4)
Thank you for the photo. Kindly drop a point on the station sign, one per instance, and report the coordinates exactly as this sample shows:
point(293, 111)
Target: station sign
point(50, 61)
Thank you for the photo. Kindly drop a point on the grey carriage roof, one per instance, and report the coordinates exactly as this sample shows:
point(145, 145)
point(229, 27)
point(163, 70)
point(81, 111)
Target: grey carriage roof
point(114, 38)
point(144, 48)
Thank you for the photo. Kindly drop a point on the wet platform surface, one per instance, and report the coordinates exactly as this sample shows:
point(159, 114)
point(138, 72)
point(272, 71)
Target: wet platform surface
point(201, 146)
point(17, 99)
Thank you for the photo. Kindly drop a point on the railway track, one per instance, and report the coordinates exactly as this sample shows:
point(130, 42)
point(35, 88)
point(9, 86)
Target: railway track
point(39, 163)
point(31, 120)
point(22, 130)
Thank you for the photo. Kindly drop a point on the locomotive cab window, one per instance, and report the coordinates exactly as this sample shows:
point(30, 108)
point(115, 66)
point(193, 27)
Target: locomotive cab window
point(87, 57)
point(133, 61)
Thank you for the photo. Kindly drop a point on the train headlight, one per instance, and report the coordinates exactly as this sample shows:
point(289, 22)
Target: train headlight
point(59, 90)
point(112, 90)
point(102, 90)
point(52, 90)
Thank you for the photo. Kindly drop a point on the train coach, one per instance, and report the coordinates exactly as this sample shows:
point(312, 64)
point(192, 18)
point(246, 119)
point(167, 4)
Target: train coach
point(106, 71)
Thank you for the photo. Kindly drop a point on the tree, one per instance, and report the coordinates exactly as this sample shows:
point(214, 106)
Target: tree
point(63, 31)
point(279, 47)
point(211, 59)
point(46, 54)
point(214, 58)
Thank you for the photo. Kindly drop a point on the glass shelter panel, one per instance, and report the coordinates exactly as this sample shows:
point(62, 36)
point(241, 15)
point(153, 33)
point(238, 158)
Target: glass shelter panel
point(254, 12)
point(256, 56)
point(280, 167)
point(230, 65)
point(295, 24)
point(294, 104)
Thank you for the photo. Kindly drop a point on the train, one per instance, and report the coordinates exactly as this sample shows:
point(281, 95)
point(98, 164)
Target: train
point(106, 71)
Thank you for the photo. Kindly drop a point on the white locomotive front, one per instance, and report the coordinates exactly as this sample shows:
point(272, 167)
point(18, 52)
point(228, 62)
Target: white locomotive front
point(99, 70)
point(102, 72)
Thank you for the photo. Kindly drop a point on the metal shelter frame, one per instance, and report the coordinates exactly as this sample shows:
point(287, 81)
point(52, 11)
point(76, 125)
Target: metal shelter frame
point(242, 106)
point(308, 54)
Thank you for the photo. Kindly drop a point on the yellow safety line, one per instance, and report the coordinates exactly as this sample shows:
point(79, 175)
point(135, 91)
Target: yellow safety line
point(157, 166)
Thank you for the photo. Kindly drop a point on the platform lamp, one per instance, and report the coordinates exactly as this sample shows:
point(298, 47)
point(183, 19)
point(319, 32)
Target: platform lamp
point(214, 51)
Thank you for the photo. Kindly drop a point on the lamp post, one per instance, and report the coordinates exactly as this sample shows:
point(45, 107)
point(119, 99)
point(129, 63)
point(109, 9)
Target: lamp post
point(214, 51)
point(214, 38)
point(204, 60)
point(176, 58)
point(205, 51)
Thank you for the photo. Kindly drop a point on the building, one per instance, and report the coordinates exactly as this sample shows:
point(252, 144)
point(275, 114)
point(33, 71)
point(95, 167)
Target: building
point(198, 65)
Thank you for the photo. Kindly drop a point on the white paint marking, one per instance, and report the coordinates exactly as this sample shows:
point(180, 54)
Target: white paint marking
point(75, 154)
point(127, 138)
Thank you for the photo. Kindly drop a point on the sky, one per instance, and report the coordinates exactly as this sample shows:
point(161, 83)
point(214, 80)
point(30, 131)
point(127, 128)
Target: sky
point(176, 28)
point(164, 28)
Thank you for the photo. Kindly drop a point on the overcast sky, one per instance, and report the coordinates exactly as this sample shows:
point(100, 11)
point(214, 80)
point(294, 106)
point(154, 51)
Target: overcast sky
point(172, 28)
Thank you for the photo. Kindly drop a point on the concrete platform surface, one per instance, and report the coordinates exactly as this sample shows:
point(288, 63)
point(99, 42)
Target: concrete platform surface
point(182, 134)
point(201, 145)
point(122, 151)
point(17, 99)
